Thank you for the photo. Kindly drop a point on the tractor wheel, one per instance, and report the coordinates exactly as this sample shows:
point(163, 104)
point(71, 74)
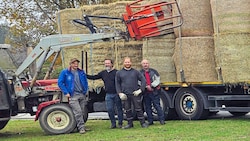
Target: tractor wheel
point(58, 119)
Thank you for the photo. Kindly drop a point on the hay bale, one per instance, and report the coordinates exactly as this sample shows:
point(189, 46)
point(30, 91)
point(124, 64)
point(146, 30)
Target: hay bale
point(159, 52)
point(197, 57)
point(231, 16)
point(65, 22)
point(197, 18)
point(132, 49)
point(97, 52)
point(232, 56)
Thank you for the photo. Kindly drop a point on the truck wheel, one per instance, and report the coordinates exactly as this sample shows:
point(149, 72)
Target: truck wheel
point(3, 124)
point(164, 106)
point(57, 119)
point(189, 104)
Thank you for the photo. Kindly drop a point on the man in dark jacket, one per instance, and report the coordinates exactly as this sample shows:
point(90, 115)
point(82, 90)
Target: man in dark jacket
point(151, 94)
point(74, 85)
point(112, 98)
point(127, 84)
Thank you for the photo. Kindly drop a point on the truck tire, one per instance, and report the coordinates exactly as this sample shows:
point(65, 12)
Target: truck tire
point(3, 124)
point(164, 106)
point(58, 119)
point(189, 104)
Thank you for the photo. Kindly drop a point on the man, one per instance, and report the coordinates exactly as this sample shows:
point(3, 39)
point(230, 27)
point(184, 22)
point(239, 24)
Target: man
point(74, 85)
point(128, 89)
point(112, 98)
point(151, 94)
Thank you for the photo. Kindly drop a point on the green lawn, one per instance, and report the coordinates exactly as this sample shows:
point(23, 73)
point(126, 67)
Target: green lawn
point(174, 130)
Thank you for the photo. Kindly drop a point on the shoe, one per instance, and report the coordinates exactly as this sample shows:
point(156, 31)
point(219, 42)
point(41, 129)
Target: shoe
point(144, 125)
point(119, 125)
point(162, 122)
point(150, 123)
point(112, 126)
point(82, 131)
point(128, 126)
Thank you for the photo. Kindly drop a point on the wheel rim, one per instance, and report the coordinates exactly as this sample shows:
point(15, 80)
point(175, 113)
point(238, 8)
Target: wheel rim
point(153, 108)
point(58, 120)
point(188, 104)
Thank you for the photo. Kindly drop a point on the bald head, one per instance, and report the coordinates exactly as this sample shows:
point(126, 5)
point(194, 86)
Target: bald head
point(145, 64)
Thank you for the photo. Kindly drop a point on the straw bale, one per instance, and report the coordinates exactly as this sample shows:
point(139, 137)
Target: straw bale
point(132, 49)
point(197, 57)
point(159, 52)
point(65, 21)
point(232, 56)
point(231, 16)
point(197, 18)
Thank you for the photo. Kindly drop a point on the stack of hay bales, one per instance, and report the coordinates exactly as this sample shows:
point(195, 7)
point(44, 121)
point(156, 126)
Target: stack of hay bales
point(194, 46)
point(231, 22)
point(159, 50)
point(97, 52)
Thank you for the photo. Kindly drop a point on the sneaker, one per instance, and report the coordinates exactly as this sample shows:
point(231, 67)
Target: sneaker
point(162, 122)
point(144, 125)
point(119, 125)
point(150, 123)
point(82, 131)
point(112, 126)
point(128, 126)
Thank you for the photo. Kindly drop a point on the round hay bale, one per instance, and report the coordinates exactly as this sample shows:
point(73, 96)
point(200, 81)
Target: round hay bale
point(196, 58)
point(159, 52)
point(197, 18)
point(231, 16)
point(232, 56)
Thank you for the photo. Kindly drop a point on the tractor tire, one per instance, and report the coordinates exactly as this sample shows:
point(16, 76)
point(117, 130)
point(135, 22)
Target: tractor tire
point(58, 119)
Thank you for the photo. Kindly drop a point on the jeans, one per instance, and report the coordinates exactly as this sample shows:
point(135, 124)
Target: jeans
point(78, 103)
point(113, 100)
point(149, 99)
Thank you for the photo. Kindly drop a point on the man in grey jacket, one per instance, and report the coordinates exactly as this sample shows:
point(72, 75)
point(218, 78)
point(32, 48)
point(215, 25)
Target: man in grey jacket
point(127, 86)
point(151, 94)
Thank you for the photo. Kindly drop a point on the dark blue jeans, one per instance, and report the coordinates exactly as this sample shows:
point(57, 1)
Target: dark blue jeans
point(149, 99)
point(112, 101)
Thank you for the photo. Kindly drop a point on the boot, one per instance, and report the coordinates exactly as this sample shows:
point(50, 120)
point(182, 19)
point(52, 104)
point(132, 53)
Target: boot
point(130, 125)
point(144, 125)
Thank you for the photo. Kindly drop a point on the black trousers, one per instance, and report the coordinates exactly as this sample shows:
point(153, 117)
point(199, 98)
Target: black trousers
point(137, 102)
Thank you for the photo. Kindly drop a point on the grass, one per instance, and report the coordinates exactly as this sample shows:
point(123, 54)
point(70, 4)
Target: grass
point(174, 130)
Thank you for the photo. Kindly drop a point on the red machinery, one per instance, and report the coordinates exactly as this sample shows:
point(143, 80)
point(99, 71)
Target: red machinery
point(43, 98)
point(151, 19)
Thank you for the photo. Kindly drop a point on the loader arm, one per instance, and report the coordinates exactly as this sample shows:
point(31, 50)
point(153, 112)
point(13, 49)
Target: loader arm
point(54, 43)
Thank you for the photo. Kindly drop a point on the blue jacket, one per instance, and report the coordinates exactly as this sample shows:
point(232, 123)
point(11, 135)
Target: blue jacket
point(66, 81)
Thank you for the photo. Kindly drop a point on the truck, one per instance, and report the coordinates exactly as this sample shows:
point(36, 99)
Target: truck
point(21, 92)
point(179, 100)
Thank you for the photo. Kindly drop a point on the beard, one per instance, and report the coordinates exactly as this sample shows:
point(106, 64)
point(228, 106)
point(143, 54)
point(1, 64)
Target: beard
point(108, 68)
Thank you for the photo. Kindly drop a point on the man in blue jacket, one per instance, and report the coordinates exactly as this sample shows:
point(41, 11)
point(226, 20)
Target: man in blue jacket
point(74, 85)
